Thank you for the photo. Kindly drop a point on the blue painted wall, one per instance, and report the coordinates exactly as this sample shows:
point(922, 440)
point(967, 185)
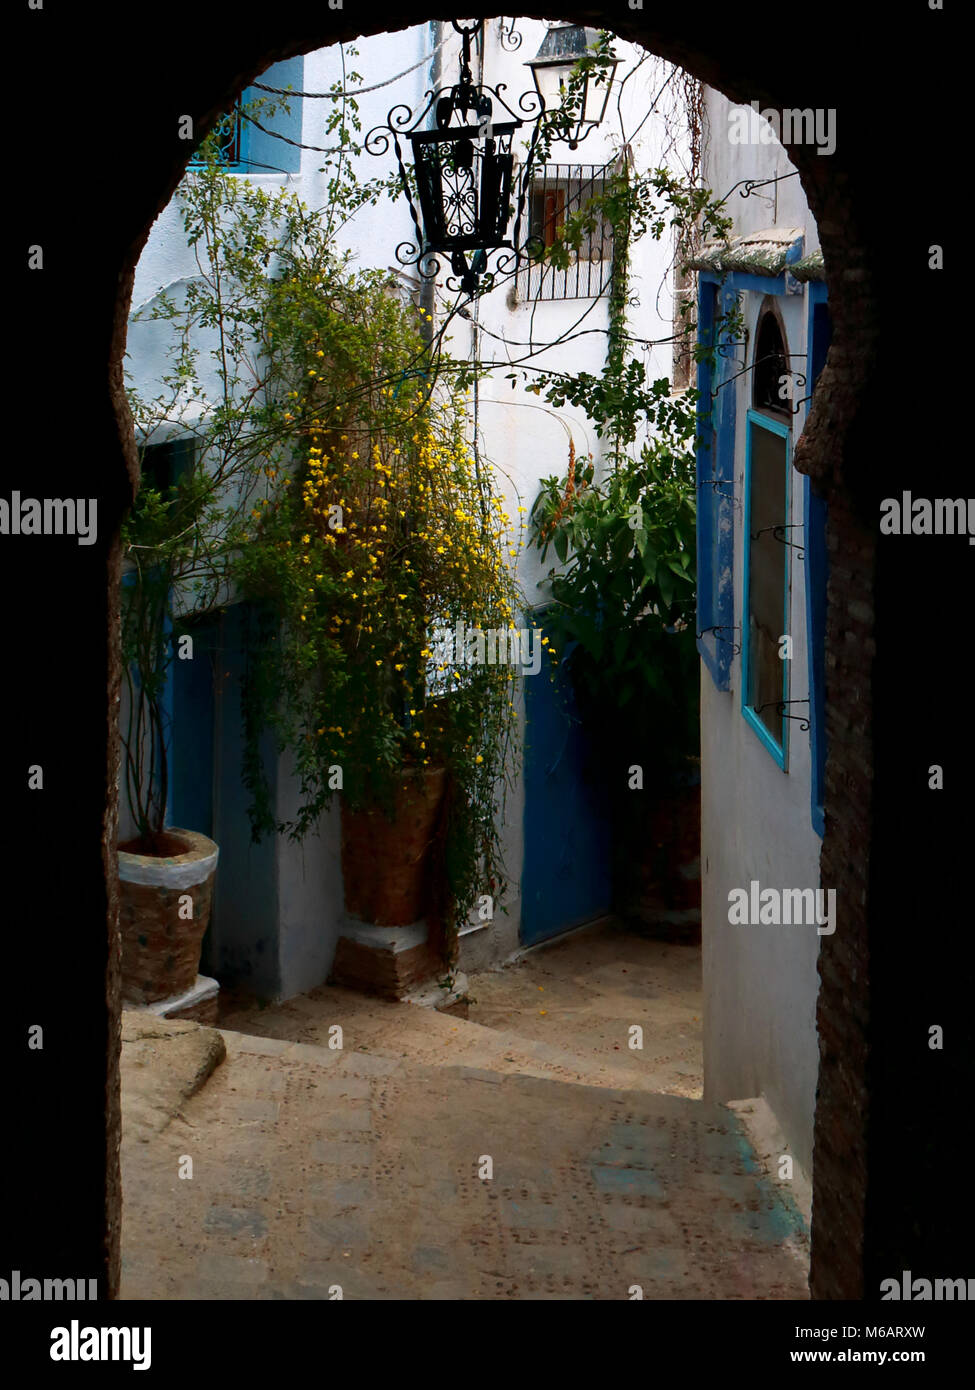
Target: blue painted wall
point(262, 153)
point(191, 757)
point(716, 413)
point(566, 878)
point(244, 933)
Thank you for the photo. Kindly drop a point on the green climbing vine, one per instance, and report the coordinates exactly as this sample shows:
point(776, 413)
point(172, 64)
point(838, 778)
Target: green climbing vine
point(623, 593)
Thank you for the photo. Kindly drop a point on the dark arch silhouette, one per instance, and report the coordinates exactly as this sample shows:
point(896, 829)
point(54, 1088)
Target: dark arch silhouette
point(104, 160)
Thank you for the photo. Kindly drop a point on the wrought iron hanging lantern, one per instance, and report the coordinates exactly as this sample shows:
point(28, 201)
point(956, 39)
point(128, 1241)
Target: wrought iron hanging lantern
point(463, 167)
point(561, 49)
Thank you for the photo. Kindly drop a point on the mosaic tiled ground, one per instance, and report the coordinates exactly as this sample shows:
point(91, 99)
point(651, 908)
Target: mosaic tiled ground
point(320, 1174)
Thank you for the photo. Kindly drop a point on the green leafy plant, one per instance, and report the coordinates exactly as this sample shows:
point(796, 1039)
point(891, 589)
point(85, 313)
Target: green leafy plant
point(387, 529)
point(215, 398)
point(335, 487)
point(623, 599)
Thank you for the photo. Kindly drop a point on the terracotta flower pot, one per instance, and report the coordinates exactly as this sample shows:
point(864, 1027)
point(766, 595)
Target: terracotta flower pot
point(384, 862)
point(164, 912)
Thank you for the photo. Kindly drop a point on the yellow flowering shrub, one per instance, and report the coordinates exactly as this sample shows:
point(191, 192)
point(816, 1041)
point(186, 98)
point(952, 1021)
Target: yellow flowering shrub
point(392, 528)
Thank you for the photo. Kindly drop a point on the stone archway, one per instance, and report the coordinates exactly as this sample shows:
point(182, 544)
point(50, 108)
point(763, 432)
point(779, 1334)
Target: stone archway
point(92, 221)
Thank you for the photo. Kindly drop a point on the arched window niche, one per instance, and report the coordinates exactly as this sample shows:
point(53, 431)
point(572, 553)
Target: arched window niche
point(765, 608)
point(771, 379)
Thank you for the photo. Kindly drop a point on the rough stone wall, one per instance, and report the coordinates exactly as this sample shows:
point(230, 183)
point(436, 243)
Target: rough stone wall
point(92, 220)
point(842, 1016)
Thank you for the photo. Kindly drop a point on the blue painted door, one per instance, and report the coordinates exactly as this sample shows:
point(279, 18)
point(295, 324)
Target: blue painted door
point(191, 747)
point(566, 876)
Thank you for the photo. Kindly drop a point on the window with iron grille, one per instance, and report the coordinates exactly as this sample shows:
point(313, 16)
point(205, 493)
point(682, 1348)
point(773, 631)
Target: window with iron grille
point(556, 192)
point(229, 135)
point(271, 143)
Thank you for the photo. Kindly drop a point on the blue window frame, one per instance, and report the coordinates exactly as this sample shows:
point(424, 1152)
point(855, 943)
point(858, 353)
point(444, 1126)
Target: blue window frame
point(246, 148)
point(716, 412)
point(765, 591)
point(718, 637)
point(230, 135)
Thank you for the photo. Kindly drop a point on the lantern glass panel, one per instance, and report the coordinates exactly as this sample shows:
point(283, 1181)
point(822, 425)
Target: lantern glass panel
point(596, 96)
point(550, 80)
point(429, 186)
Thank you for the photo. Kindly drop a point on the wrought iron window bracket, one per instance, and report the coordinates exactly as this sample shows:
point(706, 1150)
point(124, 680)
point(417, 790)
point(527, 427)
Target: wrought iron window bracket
point(779, 534)
point(749, 185)
point(716, 484)
point(718, 628)
point(725, 349)
point(799, 376)
point(780, 709)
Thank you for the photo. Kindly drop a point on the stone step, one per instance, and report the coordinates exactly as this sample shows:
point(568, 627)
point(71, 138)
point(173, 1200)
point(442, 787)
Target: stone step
point(405, 1032)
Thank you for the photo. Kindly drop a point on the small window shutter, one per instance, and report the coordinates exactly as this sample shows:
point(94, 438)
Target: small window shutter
point(554, 214)
point(717, 638)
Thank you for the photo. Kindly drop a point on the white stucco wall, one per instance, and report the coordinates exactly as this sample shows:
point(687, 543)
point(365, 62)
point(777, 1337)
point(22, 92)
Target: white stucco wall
point(727, 163)
point(760, 982)
point(310, 906)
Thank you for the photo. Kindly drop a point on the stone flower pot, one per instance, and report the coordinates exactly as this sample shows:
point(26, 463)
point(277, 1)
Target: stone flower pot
point(384, 862)
point(164, 911)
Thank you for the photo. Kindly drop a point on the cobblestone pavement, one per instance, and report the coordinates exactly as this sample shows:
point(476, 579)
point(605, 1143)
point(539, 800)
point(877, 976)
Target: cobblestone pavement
point(317, 1171)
